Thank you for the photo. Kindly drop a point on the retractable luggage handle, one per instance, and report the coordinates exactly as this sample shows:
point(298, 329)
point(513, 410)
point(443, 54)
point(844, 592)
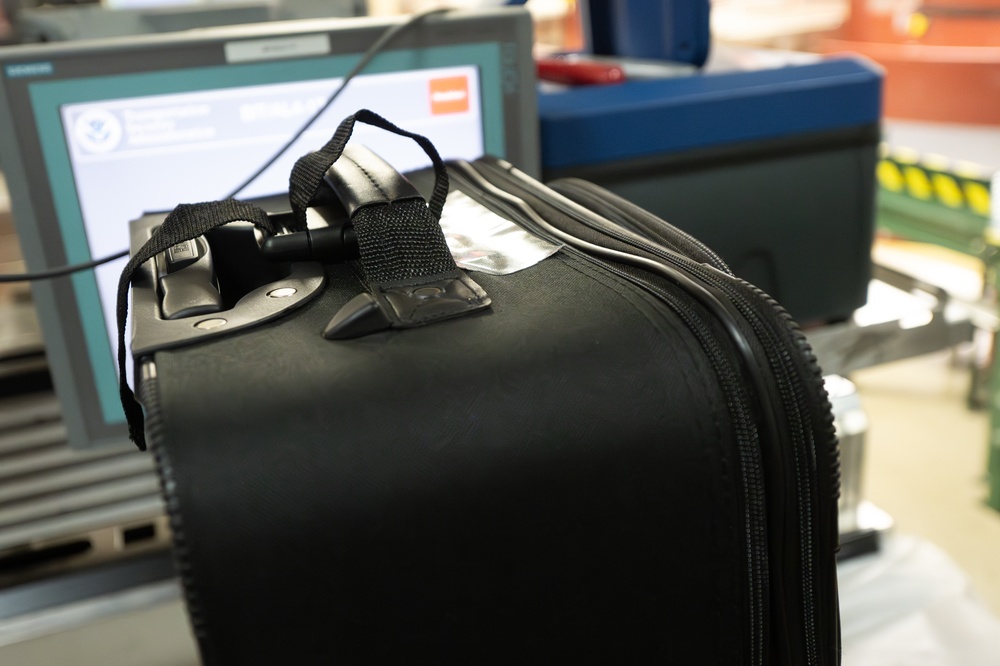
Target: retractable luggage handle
point(410, 274)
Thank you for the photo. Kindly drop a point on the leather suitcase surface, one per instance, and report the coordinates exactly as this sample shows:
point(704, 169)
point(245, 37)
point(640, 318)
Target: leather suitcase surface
point(619, 453)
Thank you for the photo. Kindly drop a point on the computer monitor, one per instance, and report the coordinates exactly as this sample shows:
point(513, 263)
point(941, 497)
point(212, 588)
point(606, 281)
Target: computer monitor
point(93, 135)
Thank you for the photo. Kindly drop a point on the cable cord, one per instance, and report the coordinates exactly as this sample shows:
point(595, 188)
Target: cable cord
point(60, 271)
point(377, 47)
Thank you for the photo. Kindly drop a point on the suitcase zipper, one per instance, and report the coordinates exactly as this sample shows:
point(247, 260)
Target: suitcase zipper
point(149, 395)
point(738, 401)
point(757, 309)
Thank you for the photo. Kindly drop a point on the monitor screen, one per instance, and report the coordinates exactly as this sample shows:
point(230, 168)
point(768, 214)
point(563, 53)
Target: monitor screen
point(94, 135)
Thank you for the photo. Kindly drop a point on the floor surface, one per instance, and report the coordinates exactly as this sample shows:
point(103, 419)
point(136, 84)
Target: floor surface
point(926, 463)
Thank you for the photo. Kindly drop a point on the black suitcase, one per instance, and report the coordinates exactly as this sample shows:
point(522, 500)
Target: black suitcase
point(619, 454)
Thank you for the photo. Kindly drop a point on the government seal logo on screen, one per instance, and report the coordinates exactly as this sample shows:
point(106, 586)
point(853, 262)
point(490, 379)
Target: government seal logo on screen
point(97, 131)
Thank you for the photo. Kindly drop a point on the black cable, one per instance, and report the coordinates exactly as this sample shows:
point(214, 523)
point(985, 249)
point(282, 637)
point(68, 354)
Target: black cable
point(60, 270)
point(376, 48)
point(367, 57)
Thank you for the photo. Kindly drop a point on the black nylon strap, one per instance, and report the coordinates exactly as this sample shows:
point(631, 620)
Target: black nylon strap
point(308, 172)
point(186, 222)
point(400, 242)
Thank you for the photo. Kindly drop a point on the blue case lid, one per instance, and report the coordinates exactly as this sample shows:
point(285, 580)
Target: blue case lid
point(592, 125)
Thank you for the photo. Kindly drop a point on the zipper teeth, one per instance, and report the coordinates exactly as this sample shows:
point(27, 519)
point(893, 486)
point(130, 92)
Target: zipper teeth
point(827, 434)
point(747, 437)
point(165, 474)
point(791, 394)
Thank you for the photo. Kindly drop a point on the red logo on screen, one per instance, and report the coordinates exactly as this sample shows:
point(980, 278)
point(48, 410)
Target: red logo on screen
point(449, 95)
